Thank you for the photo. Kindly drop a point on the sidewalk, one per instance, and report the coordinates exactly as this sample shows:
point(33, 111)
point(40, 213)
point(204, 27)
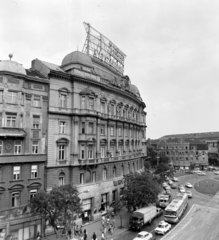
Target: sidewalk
point(97, 228)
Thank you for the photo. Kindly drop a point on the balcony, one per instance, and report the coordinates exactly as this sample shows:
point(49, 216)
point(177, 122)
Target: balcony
point(88, 161)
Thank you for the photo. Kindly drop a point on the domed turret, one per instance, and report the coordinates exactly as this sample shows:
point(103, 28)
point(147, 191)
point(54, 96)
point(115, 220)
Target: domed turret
point(77, 57)
point(11, 66)
point(135, 90)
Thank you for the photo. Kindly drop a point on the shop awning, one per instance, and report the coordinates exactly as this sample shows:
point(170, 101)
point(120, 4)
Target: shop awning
point(12, 132)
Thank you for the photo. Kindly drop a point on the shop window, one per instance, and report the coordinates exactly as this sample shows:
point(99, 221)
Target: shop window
point(1, 96)
point(34, 171)
point(1, 147)
point(94, 177)
point(15, 199)
point(35, 147)
point(16, 172)
point(11, 121)
point(91, 128)
point(12, 97)
point(114, 172)
point(102, 152)
point(36, 122)
point(87, 177)
point(62, 126)
point(81, 178)
point(83, 127)
point(61, 179)
point(17, 147)
point(104, 174)
point(36, 101)
point(33, 193)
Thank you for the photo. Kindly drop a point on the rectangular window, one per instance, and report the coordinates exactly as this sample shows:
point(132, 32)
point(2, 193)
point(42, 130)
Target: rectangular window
point(104, 174)
point(16, 172)
point(83, 127)
point(1, 96)
point(33, 193)
point(119, 131)
point(90, 153)
point(102, 130)
point(102, 152)
point(22, 98)
point(62, 152)
point(36, 101)
point(11, 121)
point(111, 152)
point(1, 147)
point(120, 151)
point(15, 199)
point(17, 147)
point(35, 147)
point(91, 103)
point(111, 131)
point(34, 171)
point(102, 108)
point(12, 97)
point(83, 102)
point(63, 100)
point(62, 127)
point(36, 122)
point(91, 128)
point(82, 154)
point(81, 178)
point(93, 177)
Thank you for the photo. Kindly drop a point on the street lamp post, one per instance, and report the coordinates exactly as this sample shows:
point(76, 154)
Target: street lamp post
point(86, 191)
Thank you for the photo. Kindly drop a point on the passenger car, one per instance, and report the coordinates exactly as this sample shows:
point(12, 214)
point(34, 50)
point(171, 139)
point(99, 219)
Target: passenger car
point(182, 190)
point(159, 212)
point(189, 193)
point(201, 173)
point(216, 173)
point(144, 236)
point(188, 185)
point(174, 179)
point(173, 186)
point(162, 228)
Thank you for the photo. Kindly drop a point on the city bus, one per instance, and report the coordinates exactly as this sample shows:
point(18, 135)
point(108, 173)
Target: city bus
point(176, 208)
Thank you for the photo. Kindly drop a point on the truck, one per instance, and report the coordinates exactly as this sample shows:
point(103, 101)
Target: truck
point(163, 200)
point(143, 216)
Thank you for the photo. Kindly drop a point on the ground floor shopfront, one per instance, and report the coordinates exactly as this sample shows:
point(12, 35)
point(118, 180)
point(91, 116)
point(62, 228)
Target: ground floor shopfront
point(20, 229)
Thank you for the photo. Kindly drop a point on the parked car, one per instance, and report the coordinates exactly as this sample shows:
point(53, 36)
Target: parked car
point(188, 185)
point(182, 190)
point(216, 173)
point(167, 187)
point(173, 186)
point(144, 236)
point(189, 193)
point(162, 228)
point(174, 179)
point(201, 173)
point(159, 212)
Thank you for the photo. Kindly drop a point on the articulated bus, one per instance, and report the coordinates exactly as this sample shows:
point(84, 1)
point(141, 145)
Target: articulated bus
point(176, 208)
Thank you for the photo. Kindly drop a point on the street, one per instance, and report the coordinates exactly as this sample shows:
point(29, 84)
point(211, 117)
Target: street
point(197, 199)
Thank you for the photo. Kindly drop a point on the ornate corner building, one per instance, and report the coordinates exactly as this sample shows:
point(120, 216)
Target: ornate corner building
point(96, 129)
point(23, 134)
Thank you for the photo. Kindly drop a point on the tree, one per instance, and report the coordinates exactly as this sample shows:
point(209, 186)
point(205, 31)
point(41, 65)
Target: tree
point(117, 208)
point(162, 171)
point(147, 166)
point(57, 207)
point(140, 189)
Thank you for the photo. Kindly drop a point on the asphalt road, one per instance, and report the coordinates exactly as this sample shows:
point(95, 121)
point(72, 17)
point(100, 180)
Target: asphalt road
point(197, 199)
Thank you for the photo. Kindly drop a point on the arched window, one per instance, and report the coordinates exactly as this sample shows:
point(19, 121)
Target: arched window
point(87, 177)
point(114, 171)
point(61, 179)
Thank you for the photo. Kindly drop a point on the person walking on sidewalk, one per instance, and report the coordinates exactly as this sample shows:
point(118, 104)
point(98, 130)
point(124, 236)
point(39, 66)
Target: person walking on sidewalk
point(94, 237)
point(102, 236)
point(85, 234)
point(107, 220)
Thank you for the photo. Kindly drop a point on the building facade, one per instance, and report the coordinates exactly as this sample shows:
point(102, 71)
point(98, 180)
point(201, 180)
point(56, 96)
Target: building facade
point(96, 129)
point(23, 130)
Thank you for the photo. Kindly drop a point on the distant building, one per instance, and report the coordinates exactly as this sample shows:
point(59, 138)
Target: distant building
point(23, 137)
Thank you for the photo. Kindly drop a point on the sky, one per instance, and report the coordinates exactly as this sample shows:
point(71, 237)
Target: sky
point(171, 47)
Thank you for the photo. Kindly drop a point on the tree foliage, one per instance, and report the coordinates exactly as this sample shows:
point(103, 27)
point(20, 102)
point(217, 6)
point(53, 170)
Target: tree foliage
point(163, 170)
point(140, 189)
point(57, 206)
point(147, 166)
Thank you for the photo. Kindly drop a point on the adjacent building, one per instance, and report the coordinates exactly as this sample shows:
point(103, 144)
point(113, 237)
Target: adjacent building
point(23, 137)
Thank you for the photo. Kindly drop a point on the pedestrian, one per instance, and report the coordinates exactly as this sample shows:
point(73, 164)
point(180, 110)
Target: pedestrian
point(102, 236)
point(80, 231)
point(112, 214)
point(85, 234)
point(107, 220)
point(94, 237)
point(113, 223)
point(77, 230)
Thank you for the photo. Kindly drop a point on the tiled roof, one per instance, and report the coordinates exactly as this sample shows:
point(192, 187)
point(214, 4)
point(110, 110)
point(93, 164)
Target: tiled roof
point(206, 135)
